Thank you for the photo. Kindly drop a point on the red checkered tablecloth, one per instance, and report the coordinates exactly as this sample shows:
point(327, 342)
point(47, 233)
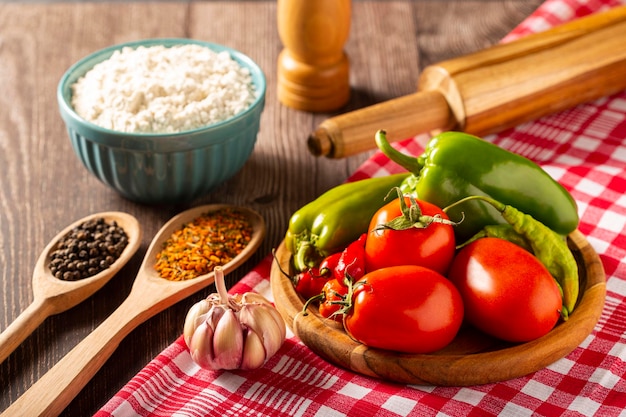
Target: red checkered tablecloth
point(584, 149)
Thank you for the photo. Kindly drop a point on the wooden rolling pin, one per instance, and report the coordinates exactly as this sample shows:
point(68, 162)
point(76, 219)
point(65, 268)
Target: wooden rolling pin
point(494, 89)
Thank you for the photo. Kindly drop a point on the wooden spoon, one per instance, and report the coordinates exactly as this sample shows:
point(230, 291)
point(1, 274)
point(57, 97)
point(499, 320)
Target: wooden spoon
point(149, 295)
point(53, 295)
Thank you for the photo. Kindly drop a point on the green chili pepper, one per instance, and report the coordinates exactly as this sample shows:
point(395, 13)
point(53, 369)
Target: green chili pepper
point(456, 165)
point(501, 231)
point(550, 248)
point(339, 216)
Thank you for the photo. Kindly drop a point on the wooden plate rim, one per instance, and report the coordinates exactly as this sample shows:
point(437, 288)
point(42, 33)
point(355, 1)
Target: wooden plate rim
point(441, 368)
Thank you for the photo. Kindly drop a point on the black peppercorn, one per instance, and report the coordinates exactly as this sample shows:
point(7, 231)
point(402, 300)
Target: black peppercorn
point(87, 249)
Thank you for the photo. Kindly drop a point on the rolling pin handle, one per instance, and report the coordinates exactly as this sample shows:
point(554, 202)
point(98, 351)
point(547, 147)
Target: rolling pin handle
point(403, 117)
point(320, 143)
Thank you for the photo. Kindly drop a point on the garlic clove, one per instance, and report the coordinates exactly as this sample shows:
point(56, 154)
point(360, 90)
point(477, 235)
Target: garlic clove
point(227, 341)
point(201, 345)
point(252, 297)
point(279, 323)
point(195, 316)
point(253, 352)
point(258, 318)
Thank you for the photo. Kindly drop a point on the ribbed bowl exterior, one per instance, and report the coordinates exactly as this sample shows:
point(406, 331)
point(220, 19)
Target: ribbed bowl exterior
point(163, 168)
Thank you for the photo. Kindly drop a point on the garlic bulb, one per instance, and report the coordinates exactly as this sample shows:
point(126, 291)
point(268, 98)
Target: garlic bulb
point(227, 331)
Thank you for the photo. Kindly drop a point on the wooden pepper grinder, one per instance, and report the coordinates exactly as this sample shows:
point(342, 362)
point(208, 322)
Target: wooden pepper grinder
point(313, 69)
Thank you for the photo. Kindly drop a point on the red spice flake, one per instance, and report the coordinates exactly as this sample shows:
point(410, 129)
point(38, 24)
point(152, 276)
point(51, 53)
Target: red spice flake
point(212, 239)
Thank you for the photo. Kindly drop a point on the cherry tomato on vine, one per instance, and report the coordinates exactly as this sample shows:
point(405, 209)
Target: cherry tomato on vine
point(506, 291)
point(407, 308)
point(309, 283)
point(410, 232)
point(333, 296)
point(328, 266)
point(351, 263)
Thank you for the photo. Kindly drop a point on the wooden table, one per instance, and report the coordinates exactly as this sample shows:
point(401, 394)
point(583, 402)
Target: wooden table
point(43, 186)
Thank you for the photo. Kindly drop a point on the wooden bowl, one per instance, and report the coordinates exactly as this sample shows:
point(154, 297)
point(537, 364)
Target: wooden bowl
point(473, 358)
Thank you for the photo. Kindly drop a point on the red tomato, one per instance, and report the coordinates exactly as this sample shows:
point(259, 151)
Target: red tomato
point(432, 247)
point(328, 266)
point(506, 291)
point(407, 308)
point(309, 283)
point(351, 264)
point(333, 295)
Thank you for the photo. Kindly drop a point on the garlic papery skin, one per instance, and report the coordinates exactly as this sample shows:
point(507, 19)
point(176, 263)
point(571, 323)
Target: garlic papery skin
point(264, 325)
point(227, 342)
point(227, 331)
point(195, 316)
point(201, 345)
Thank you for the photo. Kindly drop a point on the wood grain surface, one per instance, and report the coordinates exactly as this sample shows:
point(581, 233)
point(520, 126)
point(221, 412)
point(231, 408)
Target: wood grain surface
point(43, 187)
point(149, 295)
point(52, 295)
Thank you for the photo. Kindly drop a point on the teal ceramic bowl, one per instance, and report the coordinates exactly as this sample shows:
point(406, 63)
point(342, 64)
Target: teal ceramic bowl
point(169, 167)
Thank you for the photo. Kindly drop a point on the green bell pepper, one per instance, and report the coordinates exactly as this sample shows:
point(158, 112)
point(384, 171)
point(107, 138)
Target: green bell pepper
point(456, 165)
point(339, 216)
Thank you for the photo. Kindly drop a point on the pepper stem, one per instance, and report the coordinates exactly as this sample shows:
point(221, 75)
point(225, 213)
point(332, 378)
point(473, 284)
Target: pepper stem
point(407, 162)
point(308, 302)
point(305, 252)
point(496, 204)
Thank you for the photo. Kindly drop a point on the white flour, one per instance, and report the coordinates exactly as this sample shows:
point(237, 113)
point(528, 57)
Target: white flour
point(161, 89)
